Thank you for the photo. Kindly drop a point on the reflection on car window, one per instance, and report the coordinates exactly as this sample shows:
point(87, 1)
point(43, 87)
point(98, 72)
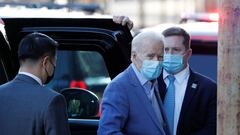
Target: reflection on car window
point(81, 69)
point(3, 75)
point(205, 64)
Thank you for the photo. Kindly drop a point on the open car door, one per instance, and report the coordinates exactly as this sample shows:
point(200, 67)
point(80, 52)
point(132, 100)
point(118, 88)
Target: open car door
point(92, 51)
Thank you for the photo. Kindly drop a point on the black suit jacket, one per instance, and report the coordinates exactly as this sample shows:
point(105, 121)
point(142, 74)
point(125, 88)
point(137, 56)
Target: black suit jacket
point(27, 108)
point(198, 112)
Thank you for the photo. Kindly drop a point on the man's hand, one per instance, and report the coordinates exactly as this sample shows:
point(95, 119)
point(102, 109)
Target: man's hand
point(123, 20)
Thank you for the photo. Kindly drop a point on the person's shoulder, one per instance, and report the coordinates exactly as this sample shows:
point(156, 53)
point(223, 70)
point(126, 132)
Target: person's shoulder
point(8, 85)
point(5, 86)
point(119, 78)
point(50, 92)
point(202, 79)
point(122, 77)
point(119, 82)
point(51, 95)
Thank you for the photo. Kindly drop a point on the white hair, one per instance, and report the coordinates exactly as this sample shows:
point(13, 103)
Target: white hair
point(146, 37)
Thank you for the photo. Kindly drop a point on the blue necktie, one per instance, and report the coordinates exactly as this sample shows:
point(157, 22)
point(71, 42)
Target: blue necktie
point(169, 102)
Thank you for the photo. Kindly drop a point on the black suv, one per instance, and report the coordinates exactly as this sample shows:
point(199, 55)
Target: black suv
point(92, 51)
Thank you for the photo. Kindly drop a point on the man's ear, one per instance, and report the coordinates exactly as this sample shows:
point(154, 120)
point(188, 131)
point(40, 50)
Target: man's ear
point(133, 55)
point(189, 53)
point(45, 61)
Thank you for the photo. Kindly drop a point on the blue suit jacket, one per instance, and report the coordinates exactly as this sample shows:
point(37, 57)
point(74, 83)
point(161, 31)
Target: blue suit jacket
point(198, 112)
point(127, 110)
point(28, 108)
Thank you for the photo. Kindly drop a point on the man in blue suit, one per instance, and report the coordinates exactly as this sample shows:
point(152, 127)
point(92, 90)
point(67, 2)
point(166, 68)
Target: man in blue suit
point(27, 106)
point(131, 104)
point(194, 97)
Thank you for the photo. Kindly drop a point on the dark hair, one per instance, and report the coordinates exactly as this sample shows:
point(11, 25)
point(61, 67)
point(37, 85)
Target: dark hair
point(177, 31)
point(36, 45)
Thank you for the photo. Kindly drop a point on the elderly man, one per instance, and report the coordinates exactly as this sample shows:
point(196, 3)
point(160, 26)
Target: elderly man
point(131, 103)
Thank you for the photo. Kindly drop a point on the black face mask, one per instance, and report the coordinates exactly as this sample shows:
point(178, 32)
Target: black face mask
point(49, 78)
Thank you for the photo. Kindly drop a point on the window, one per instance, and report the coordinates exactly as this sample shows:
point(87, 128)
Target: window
point(83, 69)
point(204, 58)
point(205, 64)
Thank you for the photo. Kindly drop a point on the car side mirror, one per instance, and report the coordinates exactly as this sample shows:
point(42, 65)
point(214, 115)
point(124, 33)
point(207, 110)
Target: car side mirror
point(81, 103)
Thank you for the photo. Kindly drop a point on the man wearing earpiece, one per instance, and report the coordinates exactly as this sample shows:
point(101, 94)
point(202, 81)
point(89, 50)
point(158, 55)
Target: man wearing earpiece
point(189, 98)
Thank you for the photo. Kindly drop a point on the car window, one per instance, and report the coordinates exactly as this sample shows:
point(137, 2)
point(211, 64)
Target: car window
point(205, 64)
point(204, 58)
point(81, 69)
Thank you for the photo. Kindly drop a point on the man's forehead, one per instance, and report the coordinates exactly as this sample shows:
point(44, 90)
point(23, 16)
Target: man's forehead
point(173, 42)
point(149, 50)
point(174, 37)
point(174, 46)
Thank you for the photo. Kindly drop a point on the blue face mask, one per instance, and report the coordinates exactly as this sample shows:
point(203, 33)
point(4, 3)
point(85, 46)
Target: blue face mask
point(151, 69)
point(173, 63)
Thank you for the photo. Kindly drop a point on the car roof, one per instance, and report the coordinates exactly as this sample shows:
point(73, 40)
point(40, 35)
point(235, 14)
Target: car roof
point(200, 17)
point(46, 13)
point(88, 8)
point(47, 10)
point(205, 31)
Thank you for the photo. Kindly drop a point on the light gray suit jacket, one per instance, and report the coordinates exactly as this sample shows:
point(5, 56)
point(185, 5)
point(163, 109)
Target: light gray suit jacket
point(27, 108)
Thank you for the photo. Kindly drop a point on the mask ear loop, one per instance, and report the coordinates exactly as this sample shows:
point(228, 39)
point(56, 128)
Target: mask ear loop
point(51, 64)
point(43, 59)
point(46, 71)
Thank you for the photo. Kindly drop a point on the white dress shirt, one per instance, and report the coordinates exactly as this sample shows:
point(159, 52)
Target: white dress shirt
point(181, 80)
point(32, 76)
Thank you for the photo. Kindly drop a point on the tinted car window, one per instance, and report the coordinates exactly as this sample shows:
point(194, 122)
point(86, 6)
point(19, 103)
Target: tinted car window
point(204, 58)
point(205, 64)
point(83, 69)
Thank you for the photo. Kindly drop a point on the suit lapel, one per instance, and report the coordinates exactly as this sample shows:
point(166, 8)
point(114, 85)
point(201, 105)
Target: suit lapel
point(139, 91)
point(191, 90)
point(161, 87)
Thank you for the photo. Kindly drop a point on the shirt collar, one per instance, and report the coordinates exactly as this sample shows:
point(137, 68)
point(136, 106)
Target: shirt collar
point(148, 85)
point(32, 76)
point(180, 77)
point(140, 77)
